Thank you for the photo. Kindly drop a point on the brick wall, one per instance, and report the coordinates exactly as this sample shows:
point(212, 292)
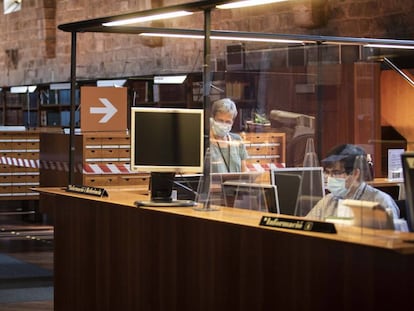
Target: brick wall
point(33, 50)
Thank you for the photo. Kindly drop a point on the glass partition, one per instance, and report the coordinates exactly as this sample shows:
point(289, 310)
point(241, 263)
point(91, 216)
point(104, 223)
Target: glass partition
point(298, 103)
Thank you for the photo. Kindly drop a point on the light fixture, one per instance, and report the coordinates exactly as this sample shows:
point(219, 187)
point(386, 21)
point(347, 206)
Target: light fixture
point(246, 3)
point(214, 37)
point(390, 46)
point(171, 35)
point(22, 89)
point(60, 86)
point(110, 83)
point(10, 6)
point(175, 79)
point(148, 18)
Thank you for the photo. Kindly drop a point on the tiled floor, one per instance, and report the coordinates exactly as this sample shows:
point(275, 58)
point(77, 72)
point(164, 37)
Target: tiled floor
point(31, 242)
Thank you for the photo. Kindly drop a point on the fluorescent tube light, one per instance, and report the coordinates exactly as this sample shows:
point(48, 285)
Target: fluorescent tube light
point(148, 18)
point(246, 3)
point(60, 86)
point(170, 35)
point(113, 83)
point(253, 39)
point(390, 46)
point(22, 89)
point(232, 38)
point(169, 79)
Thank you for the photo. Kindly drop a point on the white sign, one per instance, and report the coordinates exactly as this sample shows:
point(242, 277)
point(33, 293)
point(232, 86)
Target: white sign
point(395, 171)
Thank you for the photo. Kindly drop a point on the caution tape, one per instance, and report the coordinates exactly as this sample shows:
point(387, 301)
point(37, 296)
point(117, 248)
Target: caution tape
point(105, 168)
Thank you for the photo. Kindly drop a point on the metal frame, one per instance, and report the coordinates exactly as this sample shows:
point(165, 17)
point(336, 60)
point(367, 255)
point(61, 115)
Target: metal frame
point(96, 25)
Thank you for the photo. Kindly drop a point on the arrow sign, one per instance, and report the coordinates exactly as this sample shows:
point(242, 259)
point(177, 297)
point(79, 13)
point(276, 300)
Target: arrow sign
point(109, 110)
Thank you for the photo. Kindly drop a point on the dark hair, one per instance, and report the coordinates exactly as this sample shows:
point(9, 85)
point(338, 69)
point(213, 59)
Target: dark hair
point(347, 154)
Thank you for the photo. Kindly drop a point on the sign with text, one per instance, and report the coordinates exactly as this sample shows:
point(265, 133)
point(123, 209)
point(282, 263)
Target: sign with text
point(103, 109)
point(300, 224)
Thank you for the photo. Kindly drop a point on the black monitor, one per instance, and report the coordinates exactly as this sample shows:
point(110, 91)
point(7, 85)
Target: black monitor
point(407, 160)
point(261, 197)
point(299, 188)
point(166, 141)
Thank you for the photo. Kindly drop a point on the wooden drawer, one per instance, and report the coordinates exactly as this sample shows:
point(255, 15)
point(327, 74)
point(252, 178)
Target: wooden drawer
point(89, 140)
point(5, 190)
point(133, 179)
point(22, 189)
point(6, 179)
point(93, 153)
point(18, 145)
point(4, 168)
point(33, 145)
point(259, 150)
point(100, 180)
point(264, 160)
point(115, 140)
point(124, 153)
point(110, 153)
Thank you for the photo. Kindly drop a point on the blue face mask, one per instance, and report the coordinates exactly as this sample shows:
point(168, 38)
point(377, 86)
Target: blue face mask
point(220, 129)
point(336, 186)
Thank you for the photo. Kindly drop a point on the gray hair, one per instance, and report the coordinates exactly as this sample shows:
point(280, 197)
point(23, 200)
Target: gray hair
point(224, 105)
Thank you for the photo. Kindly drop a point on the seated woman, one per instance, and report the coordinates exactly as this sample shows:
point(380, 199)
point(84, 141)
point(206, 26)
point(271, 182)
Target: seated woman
point(346, 170)
point(227, 151)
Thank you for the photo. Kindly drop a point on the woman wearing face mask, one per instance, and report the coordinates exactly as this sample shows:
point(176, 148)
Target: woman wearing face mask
point(227, 151)
point(346, 170)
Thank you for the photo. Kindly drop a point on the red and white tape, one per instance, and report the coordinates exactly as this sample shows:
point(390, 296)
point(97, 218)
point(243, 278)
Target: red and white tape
point(105, 168)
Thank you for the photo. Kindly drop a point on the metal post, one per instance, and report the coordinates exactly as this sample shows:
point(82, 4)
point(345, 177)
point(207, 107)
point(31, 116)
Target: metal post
point(72, 108)
point(207, 75)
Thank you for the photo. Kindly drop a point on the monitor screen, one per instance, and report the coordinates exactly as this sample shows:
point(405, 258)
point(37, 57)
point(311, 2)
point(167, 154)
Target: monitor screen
point(167, 140)
point(261, 197)
point(407, 160)
point(299, 188)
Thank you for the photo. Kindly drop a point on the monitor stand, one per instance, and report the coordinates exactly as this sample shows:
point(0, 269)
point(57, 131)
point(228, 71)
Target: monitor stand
point(161, 185)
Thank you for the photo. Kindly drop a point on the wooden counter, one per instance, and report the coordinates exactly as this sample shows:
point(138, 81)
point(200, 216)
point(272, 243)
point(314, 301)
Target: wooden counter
point(110, 255)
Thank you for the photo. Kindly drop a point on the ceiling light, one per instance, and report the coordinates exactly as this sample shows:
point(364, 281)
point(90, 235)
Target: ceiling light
point(256, 39)
point(170, 35)
point(110, 83)
point(22, 89)
point(232, 38)
point(60, 86)
point(169, 79)
point(390, 46)
point(148, 18)
point(246, 3)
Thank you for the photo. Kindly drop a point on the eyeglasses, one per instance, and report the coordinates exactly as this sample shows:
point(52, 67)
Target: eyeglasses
point(334, 173)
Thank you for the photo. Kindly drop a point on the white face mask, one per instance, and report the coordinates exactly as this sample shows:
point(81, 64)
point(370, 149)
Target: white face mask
point(220, 129)
point(336, 186)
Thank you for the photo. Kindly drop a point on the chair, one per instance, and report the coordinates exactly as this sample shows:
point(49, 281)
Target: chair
point(403, 208)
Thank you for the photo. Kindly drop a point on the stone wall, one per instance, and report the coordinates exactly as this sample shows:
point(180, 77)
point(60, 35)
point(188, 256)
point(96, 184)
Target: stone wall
point(33, 50)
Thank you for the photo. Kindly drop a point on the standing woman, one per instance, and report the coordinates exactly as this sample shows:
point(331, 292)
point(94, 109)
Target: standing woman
point(227, 150)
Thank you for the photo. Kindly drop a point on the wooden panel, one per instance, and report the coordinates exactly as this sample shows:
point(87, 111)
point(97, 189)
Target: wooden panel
point(397, 97)
point(111, 256)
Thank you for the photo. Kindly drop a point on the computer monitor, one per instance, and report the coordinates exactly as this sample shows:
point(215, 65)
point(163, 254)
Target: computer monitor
point(261, 197)
point(407, 160)
point(166, 141)
point(299, 188)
